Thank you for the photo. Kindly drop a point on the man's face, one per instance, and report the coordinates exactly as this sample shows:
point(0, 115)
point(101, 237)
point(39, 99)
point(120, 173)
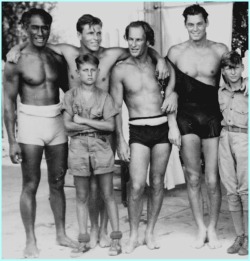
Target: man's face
point(38, 32)
point(88, 73)
point(91, 37)
point(196, 27)
point(137, 43)
point(233, 73)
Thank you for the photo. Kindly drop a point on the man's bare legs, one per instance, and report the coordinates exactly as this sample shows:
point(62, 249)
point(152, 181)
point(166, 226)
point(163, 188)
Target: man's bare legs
point(56, 158)
point(140, 156)
point(96, 208)
point(191, 152)
point(31, 159)
point(159, 159)
point(210, 150)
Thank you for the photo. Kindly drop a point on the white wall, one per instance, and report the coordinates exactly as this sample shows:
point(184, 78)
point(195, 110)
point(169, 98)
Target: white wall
point(114, 15)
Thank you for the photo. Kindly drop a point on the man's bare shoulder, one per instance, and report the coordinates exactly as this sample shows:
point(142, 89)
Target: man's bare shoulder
point(121, 68)
point(219, 48)
point(176, 50)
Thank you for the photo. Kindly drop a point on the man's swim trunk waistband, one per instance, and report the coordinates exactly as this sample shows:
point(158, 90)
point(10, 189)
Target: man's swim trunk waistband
point(47, 111)
point(148, 121)
point(149, 135)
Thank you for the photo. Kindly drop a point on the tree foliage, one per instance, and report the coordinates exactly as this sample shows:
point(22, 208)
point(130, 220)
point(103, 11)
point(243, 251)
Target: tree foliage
point(240, 26)
point(12, 32)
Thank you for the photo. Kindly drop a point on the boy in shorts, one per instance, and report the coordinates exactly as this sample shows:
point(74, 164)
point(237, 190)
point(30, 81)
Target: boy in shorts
point(89, 117)
point(233, 148)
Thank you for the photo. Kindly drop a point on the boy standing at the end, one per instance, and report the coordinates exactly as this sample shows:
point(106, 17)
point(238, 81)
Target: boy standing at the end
point(233, 148)
point(89, 118)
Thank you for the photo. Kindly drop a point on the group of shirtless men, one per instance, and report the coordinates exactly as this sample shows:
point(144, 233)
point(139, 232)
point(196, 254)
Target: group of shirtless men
point(35, 71)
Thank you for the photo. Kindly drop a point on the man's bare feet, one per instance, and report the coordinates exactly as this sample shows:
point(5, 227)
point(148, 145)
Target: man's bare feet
point(151, 242)
point(31, 251)
point(104, 240)
point(200, 240)
point(131, 245)
point(213, 241)
point(66, 242)
point(93, 238)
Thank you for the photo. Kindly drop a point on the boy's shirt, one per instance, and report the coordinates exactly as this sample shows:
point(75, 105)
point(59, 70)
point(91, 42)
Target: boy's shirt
point(234, 107)
point(101, 108)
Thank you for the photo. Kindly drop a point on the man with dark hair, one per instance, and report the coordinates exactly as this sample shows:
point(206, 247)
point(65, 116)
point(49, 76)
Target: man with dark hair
point(150, 134)
point(36, 79)
point(89, 31)
point(197, 66)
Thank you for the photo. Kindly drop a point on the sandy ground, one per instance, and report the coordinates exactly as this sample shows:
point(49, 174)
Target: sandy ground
point(175, 227)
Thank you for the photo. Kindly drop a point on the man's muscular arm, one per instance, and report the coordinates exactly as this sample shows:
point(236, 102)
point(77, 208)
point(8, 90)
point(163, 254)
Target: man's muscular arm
point(14, 54)
point(123, 150)
point(162, 70)
point(11, 85)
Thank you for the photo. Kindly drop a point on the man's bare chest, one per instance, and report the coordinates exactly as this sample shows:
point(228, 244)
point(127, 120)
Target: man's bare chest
point(36, 70)
point(199, 65)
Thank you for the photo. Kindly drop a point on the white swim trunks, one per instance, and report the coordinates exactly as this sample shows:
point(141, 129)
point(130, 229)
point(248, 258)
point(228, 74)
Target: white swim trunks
point(41, 125)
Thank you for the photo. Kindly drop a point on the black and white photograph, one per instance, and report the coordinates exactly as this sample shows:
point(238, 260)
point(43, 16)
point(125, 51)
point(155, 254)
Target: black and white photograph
point(124, 130)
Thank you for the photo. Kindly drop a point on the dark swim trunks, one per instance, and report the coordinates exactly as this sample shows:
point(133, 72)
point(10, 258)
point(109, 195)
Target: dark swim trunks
point(148, 135)
point(198, 106)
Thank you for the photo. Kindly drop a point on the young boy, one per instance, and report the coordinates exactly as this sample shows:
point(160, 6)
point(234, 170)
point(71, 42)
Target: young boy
point(233, 148)
point(89, 117)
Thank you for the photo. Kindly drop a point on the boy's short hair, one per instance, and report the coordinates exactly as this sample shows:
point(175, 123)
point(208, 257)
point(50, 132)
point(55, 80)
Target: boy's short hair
point(195, 10)
point(149, 32)
point(25, 20)
point(86, 58)
point(87, 19)
point(230, 59)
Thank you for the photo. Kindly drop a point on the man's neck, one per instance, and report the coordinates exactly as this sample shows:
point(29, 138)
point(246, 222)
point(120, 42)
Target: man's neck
point(85, 50)
point(35, 49)
point(199, 44)
point(142, 60)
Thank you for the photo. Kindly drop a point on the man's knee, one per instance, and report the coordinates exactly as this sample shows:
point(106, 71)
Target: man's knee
point(30, 187)
point(193, 178)
point(157, 185)
point(136, 190)
point(212, 183)
point(56, 181)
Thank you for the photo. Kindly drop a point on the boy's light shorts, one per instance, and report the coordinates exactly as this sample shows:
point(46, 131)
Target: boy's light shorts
point(90, 155)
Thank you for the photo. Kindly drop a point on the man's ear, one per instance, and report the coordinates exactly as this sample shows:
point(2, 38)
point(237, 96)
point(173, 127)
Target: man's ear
point(207, 23)
point(79, 35)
